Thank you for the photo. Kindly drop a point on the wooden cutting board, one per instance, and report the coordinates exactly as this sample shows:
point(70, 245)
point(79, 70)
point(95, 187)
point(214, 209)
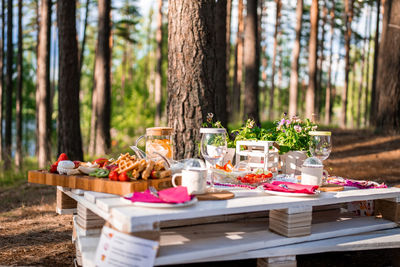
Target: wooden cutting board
point(331, 188)
point(221, 195)
point(103, 185)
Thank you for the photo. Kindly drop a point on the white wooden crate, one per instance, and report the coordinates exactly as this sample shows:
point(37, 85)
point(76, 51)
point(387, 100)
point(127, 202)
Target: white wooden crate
point(258, 154)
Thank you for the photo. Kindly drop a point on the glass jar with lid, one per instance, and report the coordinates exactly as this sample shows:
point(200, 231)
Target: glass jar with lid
point(159, 141)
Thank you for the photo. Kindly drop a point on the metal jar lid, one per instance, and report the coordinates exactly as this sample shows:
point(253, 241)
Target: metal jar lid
point(158, 131)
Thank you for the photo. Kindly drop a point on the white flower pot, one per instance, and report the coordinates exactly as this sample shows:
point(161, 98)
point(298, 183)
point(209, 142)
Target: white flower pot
point(292, 161)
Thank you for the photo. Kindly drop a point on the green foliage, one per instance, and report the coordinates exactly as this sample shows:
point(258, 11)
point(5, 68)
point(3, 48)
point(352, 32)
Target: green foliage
point(292, 134)
point(250, 131)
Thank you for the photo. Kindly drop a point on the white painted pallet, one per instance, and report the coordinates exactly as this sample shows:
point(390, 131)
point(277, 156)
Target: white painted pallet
point(240, 240)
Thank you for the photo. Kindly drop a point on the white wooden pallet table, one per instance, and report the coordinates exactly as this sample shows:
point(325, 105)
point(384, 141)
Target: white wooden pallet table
point(238, 240)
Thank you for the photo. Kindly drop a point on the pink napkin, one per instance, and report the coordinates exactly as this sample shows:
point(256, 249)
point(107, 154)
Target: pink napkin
point(290, 187)
point(171, 195)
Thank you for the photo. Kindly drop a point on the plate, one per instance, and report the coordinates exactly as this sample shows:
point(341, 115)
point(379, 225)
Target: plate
point(160, 205)
point(285, 194)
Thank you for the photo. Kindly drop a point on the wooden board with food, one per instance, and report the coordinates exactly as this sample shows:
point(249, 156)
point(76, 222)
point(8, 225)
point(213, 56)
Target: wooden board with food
point(125, 175)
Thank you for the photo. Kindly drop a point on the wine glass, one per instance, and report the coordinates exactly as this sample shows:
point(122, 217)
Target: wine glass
point(320, 144)
point(320, 147)
point(213, 148)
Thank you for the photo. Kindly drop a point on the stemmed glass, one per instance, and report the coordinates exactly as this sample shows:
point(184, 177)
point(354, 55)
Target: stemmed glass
point(320, 145)
point(213, 148)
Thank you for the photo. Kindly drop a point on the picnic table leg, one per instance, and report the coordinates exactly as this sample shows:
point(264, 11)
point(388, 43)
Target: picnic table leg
point(65, 204)
point(291, 222)
point(285, 261)
point(388, 208)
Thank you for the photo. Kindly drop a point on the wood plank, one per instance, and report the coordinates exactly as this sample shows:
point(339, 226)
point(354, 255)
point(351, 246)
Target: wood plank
point(195, 243)
point(384, 239)
point(104, 185)
point(129, 217)
point(92, 196)
point(388, 209)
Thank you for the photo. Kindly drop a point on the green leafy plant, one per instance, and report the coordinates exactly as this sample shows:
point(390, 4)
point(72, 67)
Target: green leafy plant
point(292, 134)
point(250, 131)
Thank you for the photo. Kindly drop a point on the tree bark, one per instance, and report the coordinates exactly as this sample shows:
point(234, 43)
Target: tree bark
point(263, 60)
point(251, 62)
point(312, 60)
point(347, 38)
point(9, 88)
point(272, 90)
point(318, 91)
point(221, 44)
point(69, 131)
point(366, 101)
point(1, 76)
point(102, 78)
point(191, 71)
point(159, 58)
point(361, 82)
point(18, 106)
point(93, 117)
point(374, 103)
point(388, 76)
point(229, 88)
point(238, 68)
point(328, 93)
point(82, 51)
point(43, 85)
point(294, 72)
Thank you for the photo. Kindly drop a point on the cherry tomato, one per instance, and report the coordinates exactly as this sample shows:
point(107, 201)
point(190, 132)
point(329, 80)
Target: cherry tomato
point(123, 177)
point(113, 176)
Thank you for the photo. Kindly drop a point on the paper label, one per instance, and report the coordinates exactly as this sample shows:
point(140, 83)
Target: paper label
point(121, 250)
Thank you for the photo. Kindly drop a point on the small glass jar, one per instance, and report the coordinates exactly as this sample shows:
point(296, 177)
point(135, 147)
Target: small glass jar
point(159, 141)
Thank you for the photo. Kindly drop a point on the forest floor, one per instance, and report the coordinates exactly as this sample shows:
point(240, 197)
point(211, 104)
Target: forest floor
point(31, 233)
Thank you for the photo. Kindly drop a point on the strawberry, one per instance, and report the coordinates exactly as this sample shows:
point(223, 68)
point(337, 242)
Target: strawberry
point(62, 156)
point(77, 163)
point(53, 168)
point(123, 177)
point(101, 162)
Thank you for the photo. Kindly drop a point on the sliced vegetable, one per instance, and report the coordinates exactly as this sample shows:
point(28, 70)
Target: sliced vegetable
point(101, 173)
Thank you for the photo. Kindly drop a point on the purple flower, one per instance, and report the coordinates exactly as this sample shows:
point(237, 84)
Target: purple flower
point(282, 122)
point(287, 123)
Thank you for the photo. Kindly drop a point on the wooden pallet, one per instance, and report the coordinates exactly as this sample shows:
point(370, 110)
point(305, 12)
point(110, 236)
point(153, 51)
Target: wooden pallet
point(96, 184)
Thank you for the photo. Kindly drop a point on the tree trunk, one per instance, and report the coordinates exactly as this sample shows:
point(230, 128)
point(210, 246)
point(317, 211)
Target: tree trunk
point(272, 89)
point(312, 60)
point(361, 83)
point(264, 60)
point(191, 71)
point(37, 6)
point(318, 91)
point(238, 68)
point(82, 51)
point(9, 87)
point(69, 131)
point(251, 62)
point(328, 93)
point(388, 76)
point(294, 72)
point(93, 117)
point(366, 113)
point(102, 78)
point(347, 38)
point(228, 57)
point(220, 52)
point(374, 103)
point(43, 85)
point(280, 77)
point(158, 79)
point(18, 106)
point(1, 76)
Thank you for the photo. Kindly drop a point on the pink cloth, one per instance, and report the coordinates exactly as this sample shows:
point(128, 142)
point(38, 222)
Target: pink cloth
point(171, 195)
point(290, 187)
